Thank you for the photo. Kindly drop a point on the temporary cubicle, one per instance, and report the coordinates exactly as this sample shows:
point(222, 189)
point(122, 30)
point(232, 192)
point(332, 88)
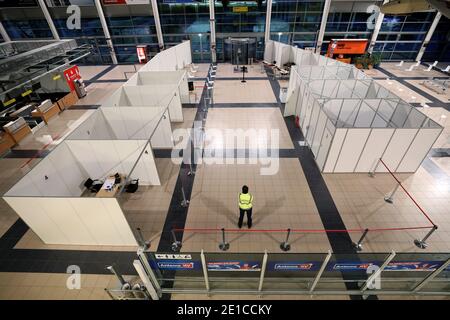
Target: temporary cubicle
point(116, 138)
point(350, 121)
point(50, 198)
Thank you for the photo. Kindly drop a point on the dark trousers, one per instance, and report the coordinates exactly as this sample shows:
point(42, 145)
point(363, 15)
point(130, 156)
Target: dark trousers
point(241, 217)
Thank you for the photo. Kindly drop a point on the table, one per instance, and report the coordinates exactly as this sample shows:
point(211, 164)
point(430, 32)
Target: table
point(109, 188)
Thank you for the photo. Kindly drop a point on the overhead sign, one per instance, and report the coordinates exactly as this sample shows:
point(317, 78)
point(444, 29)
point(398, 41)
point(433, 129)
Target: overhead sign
point(294, 266)
point(240, 9)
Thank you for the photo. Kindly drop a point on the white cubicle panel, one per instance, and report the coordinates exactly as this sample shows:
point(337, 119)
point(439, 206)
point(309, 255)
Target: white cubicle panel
point(158, 95)
point(268, 51)
point(101, 158)
point(171, 59)
point(58, 174)
point(74, 221)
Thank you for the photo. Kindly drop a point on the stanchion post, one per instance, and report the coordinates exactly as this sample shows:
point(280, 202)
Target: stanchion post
point(358, 245)
point(372, 173)
point(124, 285)
point(224, 246)
point(285, 246)
point(422, 244)
point(141, 239)
point(185, 202)
point(176, 245)
point(390, 198)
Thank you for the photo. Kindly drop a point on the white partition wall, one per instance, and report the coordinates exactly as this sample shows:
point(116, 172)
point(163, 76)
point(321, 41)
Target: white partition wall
point(349, 121)
point(174, 58)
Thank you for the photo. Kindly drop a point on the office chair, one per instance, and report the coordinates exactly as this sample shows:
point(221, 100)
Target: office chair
point(117, 178)
point(93, 186)
point(132, 186)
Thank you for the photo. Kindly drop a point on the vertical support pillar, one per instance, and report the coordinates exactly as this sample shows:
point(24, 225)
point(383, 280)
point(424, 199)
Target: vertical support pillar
point(109, 42)
point(48, 17)
point(323, 25)
point(212, 26)
point(4, 34)
point(428, 36)
point(376, 29)
point(145, 280)
point(268, 21)
point(158, 25)
point(205, 271)
point(263, 272)
point(319, 274)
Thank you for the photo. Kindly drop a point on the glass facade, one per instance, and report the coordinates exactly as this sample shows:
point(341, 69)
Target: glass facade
point(187, 21)
point(350, 20)
point(401, 37)
point(295, 22)
point(439, 46)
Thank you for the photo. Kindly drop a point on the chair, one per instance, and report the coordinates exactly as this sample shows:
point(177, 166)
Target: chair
point(93, 186)
point(132, 186)
point(117, 178)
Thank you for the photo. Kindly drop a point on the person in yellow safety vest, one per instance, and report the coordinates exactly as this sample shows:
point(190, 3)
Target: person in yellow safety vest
point(245, 205)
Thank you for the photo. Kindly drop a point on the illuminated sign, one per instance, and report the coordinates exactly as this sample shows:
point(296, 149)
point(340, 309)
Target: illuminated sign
point(240, 9)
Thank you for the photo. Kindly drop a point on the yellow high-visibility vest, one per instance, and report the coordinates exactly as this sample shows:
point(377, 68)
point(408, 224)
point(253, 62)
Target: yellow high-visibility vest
point(245, 201)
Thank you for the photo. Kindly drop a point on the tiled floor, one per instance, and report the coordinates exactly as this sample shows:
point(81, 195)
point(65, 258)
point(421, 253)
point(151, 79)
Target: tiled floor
point(402, 91)
point(445, 97)
point(45, 286)
point(401, 71)
point(226, 70)
point(281, 201)
point(121, 72)
point(234, 91)
point(98, 93)
point(265, 119)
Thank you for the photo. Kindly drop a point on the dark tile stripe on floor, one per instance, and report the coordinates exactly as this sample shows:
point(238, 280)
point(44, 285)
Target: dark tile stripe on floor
point(341, 242)
point(26, 154)
point(85, 107)
point(435, 102)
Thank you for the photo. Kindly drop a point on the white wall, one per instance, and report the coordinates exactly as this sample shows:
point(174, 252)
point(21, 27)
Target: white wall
point(75, 221)
point(64, 173)
point(101, 158)
point(174, 58)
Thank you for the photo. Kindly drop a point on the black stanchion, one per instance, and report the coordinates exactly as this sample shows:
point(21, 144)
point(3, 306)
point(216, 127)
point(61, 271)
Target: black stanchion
point(358, 246)
point(224, 246)
point(176, 245)
point(422, 243)
point(285, 246)
point(142, 242)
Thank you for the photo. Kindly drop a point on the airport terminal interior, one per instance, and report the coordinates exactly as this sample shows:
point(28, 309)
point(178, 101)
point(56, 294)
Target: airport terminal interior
point(129, 128)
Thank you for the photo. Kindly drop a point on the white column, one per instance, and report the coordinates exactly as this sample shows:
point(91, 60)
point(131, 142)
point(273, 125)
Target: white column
point(158, 25)
point(376, 29)
point(109, 42)
point(4, 34)
point(268, 20)
point(428, 36)
point(323, 25)
point(48, 17)
point(212, 26)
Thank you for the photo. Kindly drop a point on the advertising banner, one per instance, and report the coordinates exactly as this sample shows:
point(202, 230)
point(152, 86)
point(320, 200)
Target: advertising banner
point(233, 266)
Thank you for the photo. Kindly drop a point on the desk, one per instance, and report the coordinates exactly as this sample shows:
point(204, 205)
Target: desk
point(109, 189)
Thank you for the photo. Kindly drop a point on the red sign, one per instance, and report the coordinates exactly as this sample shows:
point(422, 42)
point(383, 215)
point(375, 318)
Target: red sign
point(72, 74)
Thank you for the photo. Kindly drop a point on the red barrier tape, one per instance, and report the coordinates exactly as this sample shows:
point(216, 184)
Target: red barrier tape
point(214, 230)
point(409, 195)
